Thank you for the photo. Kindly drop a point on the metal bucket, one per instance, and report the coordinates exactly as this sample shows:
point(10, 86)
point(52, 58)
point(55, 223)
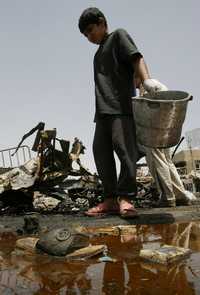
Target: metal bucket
point(159, 119)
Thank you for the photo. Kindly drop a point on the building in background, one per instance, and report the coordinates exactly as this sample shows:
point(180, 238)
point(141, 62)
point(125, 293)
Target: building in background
point(187, 161)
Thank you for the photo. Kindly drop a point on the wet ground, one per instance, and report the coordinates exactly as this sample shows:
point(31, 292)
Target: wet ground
point(146, 216)
point(126, 273)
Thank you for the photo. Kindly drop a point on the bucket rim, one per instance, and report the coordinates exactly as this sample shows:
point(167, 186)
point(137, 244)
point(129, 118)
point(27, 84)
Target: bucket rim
point(154, 100)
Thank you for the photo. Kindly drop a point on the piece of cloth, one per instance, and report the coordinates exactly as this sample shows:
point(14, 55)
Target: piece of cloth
point(165, 174)
point(113, 74)
point(116, 133)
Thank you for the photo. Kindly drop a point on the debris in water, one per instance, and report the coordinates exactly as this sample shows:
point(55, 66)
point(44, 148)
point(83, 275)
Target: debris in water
point(86, 252)
point(166, 254)
point(107, 259)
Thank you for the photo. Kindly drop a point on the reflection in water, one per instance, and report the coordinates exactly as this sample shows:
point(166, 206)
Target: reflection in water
point(41, 274)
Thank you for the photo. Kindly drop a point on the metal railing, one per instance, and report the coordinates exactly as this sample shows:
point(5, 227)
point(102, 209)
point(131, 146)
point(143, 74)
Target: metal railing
point(19, 158)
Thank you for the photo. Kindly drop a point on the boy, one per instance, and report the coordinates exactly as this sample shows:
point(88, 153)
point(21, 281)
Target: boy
point(116, 62)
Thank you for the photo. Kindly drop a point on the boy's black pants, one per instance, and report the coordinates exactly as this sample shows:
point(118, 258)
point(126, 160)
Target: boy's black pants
point(116, 133)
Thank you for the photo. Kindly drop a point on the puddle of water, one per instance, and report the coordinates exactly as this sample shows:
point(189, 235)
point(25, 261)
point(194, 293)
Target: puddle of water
point(42, 274)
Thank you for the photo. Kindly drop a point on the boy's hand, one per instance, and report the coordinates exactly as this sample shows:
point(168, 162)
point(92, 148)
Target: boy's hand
point(153, 85)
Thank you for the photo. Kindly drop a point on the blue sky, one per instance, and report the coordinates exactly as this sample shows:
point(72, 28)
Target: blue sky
point(46, 64)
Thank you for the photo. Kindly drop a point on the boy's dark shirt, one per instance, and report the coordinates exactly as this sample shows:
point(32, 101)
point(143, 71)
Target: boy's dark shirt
point(113, 74)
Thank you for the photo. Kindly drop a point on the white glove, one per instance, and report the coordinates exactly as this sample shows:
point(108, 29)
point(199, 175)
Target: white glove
point(153, 85)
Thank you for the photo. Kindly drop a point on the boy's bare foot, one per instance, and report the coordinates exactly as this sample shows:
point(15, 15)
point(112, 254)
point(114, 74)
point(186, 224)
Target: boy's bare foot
point(109, 206)
point(127, 209)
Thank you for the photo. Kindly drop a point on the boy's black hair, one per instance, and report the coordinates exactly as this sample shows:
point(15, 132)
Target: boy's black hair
point(89, 16)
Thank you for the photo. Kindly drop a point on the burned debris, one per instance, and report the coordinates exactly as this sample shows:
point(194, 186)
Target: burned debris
point(49, 182)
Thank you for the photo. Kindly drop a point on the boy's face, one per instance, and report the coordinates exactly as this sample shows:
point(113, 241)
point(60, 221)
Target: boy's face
point(95, 33)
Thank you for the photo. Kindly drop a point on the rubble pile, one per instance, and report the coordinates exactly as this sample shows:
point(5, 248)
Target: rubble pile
point(49, 182)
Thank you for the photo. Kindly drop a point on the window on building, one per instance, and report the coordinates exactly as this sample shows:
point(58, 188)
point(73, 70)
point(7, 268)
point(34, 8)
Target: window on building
point(197, 165)
point(181, 167)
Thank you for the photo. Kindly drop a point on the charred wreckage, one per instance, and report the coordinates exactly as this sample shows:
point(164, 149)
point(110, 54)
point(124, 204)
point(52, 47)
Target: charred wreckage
point(48, 182)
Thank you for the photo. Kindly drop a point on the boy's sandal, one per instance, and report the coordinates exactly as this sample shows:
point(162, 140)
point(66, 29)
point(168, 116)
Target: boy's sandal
point(129, 213)
point(100, 211)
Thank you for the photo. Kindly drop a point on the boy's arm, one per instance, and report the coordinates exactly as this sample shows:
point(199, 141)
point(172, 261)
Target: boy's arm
point(141, 69)
point(142, 74)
